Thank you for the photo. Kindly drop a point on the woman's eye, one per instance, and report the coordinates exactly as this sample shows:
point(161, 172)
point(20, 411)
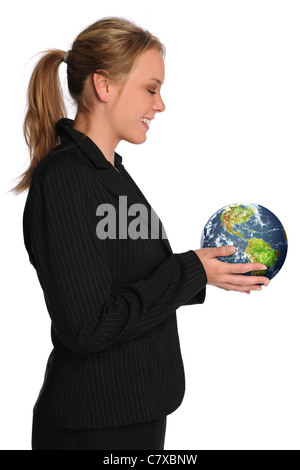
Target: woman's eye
point(152, 92)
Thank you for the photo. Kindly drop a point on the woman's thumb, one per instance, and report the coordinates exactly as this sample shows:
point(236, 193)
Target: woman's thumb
point(225, 250)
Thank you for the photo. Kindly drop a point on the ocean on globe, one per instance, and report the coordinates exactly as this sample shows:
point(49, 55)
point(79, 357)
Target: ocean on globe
point(256, 232)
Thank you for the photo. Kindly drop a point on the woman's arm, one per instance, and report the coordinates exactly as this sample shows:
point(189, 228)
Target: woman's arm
point(86, 312)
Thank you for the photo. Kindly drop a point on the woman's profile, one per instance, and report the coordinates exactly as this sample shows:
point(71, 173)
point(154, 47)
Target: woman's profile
point(115, 371)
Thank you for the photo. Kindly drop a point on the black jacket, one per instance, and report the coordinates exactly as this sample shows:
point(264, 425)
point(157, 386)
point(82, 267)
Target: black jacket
point(116, 357)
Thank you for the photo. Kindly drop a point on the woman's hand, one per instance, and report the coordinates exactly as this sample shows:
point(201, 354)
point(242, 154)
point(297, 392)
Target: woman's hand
point(227, 275)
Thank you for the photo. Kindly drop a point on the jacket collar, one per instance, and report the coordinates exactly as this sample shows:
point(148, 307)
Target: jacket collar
point(64, 128)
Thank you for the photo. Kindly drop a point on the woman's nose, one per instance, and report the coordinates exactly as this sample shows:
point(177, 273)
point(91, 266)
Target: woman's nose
point(159, 105)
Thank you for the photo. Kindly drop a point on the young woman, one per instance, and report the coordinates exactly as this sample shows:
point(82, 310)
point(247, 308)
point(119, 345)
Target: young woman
point(115, 371)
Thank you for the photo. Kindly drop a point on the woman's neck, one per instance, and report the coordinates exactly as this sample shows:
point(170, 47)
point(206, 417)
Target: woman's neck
point(98, 131)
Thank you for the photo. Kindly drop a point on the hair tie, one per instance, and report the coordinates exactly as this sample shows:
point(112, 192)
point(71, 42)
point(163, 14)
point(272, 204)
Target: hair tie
point(66, 57)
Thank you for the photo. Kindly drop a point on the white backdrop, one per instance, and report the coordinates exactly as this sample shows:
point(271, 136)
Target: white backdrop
point(231, 133)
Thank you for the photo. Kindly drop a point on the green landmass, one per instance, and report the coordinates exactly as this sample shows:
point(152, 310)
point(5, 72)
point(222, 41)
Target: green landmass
point(236, 214)
point(258, 251)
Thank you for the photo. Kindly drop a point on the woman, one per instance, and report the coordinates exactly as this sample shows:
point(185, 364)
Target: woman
point(115, 371)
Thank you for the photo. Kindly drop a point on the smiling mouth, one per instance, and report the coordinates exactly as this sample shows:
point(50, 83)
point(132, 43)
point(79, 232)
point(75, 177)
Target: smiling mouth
point(146, 121)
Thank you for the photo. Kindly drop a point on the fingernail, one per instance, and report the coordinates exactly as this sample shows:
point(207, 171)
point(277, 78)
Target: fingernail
point(231, 249)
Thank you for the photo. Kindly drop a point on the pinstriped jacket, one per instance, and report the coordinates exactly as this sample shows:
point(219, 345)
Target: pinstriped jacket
point(116, 355)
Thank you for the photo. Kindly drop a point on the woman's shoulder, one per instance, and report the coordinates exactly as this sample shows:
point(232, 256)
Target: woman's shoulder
point(61, 161)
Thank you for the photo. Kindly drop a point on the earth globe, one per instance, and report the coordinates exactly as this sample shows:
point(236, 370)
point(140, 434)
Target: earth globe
point(255, 231)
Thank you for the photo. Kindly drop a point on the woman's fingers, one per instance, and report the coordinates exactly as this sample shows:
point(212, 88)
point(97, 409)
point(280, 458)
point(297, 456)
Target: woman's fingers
point(242, 268)
point(219, 251)
point(230, 276)
point(215, 253)
point(238, 288)
point(237, 279)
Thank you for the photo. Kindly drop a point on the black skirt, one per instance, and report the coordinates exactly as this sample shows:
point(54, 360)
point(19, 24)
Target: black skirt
point(137, 436)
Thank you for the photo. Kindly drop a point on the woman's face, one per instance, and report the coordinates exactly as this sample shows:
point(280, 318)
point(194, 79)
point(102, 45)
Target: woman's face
point(139, 99)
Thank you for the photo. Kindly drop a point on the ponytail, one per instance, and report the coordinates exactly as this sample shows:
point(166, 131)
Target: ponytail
point(45, 107)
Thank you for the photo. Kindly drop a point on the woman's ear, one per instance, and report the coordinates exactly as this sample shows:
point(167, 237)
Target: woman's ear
point(101, 86)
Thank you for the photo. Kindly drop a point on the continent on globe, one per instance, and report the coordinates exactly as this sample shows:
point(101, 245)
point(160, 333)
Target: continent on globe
point(259, 251)
point(236, 214)
point(256, 232)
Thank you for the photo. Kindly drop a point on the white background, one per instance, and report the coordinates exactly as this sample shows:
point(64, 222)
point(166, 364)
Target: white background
point(230, 133)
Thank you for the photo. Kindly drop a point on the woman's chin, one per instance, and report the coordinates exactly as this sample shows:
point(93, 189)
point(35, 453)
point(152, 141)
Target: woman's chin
point(137, 139)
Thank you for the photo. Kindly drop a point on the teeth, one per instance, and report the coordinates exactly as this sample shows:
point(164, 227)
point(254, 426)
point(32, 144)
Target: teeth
point(146, 121)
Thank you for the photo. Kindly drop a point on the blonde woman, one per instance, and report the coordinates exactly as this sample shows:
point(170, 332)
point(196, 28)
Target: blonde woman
point(115, 371)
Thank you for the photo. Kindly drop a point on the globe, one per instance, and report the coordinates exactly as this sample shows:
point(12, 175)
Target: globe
point(255, 231)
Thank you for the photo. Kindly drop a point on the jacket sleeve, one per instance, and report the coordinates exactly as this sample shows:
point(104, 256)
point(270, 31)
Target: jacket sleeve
point(198, 298)
point(86, 312)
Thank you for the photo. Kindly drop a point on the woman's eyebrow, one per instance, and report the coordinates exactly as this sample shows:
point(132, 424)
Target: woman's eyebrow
point(156, 79)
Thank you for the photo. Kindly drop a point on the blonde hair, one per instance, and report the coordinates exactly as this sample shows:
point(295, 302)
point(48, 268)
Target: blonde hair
point(111, 45)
